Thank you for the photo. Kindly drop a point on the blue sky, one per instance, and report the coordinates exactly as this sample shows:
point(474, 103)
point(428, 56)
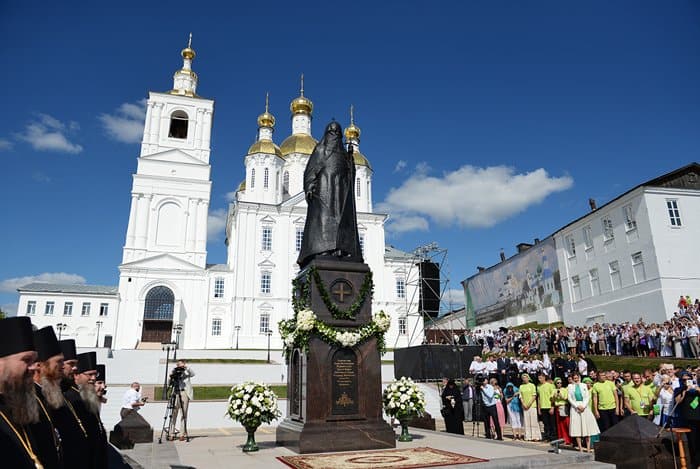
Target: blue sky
point(487, 123)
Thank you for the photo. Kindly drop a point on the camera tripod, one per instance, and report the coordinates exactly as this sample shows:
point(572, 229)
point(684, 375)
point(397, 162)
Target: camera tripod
point(174, 401)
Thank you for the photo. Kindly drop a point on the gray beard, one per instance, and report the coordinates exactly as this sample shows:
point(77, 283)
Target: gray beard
point(52, 393)
point(20, 400)
point(89, 396)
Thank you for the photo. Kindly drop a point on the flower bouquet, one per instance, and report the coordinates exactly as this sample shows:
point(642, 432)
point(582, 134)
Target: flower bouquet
point(402, 400)
point(252, 404)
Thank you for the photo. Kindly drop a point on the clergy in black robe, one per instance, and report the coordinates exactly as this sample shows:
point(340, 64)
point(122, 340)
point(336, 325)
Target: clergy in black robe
point(74, 435)
point(331, 221)
point(86, 402)
point(453, 410)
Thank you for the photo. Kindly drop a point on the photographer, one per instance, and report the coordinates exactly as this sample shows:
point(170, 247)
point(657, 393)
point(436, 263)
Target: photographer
point(182, 387)
point(132, 401)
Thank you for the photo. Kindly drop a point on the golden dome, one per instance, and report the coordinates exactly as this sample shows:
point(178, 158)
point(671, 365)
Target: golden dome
point(188, 52)
point(360, 159)
point(298, 143)
point(352, 132)
point(266, 120)
point(302, 105)
point(241, 186)
point(265, 146)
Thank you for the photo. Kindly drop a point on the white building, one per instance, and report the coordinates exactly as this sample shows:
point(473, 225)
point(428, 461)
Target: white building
point(634, 256)
point(164, 278)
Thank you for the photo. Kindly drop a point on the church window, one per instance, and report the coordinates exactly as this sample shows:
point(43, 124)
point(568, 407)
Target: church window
point(216, 327)
point(178, 125)
point(299, 239)
point(68, 308)
point(85, 311)
point(266, 178)
point(267, 238)
point(104, 309)
point(400, 287)
point(285, 183)
point(587, 237)
point(277, 181)
point(608, 233)
point(403, 325)
point(48, 311)
point(570, 246)
point(218, 287)
point(358, 185)
point(265, 282)
point(160, 304)
point(362, 244)
point(264, 323)
point(595, 282)
point(252, 178)
point(31, 308)
point(575, 288)
point(674, 214)
point(638, 267)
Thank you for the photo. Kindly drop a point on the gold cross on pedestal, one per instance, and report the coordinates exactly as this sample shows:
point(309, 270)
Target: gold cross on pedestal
point(340, 291)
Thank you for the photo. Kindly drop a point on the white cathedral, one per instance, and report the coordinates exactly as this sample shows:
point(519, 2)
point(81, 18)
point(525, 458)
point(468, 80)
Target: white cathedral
point(168, 292)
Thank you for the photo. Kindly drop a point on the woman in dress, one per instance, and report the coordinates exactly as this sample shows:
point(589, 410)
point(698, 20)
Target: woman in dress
point(500, 411)
point(512, 396)
point(452, 408)
point(528, 398)
point(664, 400)
point(582, 423)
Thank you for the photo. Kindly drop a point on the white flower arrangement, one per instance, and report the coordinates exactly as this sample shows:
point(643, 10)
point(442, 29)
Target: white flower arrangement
point(252, 404)
point(382, 321)
point(403, 399)
point(306, 320)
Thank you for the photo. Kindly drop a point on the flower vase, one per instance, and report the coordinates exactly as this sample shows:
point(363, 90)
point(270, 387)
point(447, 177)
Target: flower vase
point(405, 436)
point(250, 444)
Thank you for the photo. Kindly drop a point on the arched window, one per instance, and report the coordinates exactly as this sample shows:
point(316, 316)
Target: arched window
point(178, 125)
point(285, 183)
point(266, 178)
point(357, 188)
point(160, 304)
point(252, 178)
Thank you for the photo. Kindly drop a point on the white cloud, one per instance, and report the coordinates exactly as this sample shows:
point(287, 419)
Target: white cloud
point(216, 223)
point(12, 284)
point(453, 298)
point(49, 134)
point(126, 123)
point(38, 176)
point(5, 145)
point(469, 197)
point(10, 309)
point(399, 166)
point(230, 196)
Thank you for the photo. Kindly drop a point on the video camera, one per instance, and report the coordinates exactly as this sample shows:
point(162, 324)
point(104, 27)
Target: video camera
point(177, 375)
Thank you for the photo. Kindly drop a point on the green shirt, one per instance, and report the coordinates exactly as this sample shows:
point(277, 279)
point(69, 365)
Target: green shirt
point(561, 396)
point(606, 394)
point(544, 393)
point(527, 392)
point(640, 399)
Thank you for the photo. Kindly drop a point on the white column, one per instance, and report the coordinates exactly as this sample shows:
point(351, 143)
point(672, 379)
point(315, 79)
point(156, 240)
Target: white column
point(202, 211)
point(156, 123)
point(206, 130)
point(142, 218)
point(199, 128)
point(132, 221)
point(191, 235)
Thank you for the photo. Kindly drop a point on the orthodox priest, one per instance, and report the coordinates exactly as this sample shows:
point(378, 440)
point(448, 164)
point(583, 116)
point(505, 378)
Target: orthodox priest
point(331, 221)
point(74, 435)
point(18, 406)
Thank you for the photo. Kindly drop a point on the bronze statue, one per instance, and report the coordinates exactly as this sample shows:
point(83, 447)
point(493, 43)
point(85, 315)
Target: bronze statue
point(331, 220)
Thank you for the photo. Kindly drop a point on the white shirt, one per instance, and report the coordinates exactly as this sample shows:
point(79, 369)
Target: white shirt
point(583, 367)
point(477, 367)
point(131, 396)
point(491, 367)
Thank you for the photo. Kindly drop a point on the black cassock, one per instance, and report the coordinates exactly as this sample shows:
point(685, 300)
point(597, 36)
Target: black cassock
point(48, 442)
point(331, 220)
point(12, 453)
point(454, 416)
point(97, 439)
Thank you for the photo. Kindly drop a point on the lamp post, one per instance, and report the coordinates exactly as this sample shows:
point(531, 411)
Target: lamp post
point(268, 333)
point(97, 339)
point(166, 347)
point(238, 328)
point(61, 327)
point(177, 328)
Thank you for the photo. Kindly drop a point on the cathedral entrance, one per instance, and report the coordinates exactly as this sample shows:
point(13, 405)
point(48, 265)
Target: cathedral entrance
point(158, 315)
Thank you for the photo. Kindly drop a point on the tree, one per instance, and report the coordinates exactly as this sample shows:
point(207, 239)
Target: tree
point(3, 315)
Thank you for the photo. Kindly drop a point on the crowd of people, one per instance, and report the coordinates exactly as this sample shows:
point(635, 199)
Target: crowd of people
point(677, 337)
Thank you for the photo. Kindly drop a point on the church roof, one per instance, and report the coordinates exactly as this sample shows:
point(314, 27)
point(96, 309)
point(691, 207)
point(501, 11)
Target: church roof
point(298, 143)
point(38, 287)
point(393, 253)
point(218, 267)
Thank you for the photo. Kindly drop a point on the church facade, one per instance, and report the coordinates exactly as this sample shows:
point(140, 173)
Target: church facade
point(168, 292)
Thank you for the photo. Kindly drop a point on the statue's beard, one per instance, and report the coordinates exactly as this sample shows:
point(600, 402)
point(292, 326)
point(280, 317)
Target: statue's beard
point(20, 399)
point(90, 398)
point(51, 389)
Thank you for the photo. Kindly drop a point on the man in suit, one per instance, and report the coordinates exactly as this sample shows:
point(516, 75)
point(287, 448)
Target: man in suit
point(502, 365)
point(18, 405)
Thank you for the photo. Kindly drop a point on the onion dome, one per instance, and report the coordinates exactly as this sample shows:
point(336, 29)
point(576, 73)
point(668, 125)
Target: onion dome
point(185, 79)
point(360, 159)
point(266, 123)
point(266, 119)
point(241, 186)
point(352, 135)
point(265, 146)
point(302, 104)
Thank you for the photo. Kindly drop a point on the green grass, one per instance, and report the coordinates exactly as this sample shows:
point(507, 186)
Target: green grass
point(206, 393)
point(535, 325)
point(638, 364)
